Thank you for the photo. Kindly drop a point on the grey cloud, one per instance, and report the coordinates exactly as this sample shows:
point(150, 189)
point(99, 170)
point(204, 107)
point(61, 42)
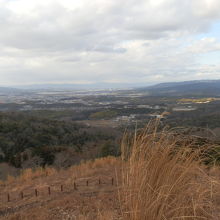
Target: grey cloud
point(125, 40)
point(57, 28)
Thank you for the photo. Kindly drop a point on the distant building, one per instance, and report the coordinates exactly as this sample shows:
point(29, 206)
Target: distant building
point(144, 106)
point(184, 108)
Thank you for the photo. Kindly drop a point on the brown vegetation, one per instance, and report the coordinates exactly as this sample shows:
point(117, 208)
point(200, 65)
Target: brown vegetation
point(157, 179)
point(162, 180)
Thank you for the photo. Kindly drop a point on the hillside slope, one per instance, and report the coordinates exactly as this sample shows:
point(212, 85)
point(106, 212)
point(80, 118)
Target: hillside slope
point(159, 175)
point(87, 191)
point(192, 88)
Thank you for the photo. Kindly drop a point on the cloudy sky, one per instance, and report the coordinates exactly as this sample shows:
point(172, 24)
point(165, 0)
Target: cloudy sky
point(108, 41)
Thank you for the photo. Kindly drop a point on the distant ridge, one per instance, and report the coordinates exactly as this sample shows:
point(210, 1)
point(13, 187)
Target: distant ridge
point(92, 86)
point(190, 88)
point(8, 90)
point(194, 88)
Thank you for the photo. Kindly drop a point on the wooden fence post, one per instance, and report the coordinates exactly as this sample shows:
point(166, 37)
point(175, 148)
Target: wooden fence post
point(49, 192)
point(8, 197)
point(112, 181)
point(36, 192)
point(22, 195)
point(75, 187)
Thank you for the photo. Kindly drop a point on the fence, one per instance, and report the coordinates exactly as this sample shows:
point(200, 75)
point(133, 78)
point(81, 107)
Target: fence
point(50, 190)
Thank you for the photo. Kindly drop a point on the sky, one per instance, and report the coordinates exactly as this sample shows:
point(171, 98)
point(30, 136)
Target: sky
point(108, 41)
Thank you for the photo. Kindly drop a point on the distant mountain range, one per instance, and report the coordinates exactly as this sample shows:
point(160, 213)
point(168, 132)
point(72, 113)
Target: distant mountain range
point(8, 90)
point(193, 88)
point(92, 86)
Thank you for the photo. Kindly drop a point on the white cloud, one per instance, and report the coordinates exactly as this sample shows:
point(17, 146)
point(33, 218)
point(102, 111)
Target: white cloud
point(205, 45)
point(104, 40)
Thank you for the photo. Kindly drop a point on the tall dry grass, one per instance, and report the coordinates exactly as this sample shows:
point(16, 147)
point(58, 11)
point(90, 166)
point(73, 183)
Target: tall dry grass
point(30, 174)
point(162, 180)
point(94, 167)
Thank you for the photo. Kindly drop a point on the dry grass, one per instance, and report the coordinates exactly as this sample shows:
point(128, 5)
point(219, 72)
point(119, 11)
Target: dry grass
point(87, 202)
point(29, 174)
point(93, 167)
point(162, 181)
point(44, 215)
point(2, 182)
point(10, 179)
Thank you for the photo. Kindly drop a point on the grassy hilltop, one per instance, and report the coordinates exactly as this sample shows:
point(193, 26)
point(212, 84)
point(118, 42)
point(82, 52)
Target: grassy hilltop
point(159, 175)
